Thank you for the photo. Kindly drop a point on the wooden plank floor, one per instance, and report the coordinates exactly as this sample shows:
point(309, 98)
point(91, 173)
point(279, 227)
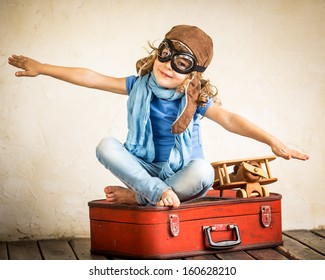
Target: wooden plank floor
point(298, 245)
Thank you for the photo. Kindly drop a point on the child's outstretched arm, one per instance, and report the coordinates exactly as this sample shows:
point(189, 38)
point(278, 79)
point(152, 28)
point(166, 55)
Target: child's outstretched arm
point(239, 125)
point(78, 76)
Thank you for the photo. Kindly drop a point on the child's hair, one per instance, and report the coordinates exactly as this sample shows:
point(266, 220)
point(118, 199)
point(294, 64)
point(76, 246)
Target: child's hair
point(207, 90)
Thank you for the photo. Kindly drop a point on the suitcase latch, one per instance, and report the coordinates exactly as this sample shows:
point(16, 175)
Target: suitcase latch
point(266, 215)
point(174, 224)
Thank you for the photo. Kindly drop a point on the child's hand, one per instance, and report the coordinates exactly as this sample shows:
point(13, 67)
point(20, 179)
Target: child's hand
point(279, 149)
point(31, 67)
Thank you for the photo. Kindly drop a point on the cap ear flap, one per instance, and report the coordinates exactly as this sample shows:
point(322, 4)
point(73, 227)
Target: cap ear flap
point(186, 116)
point(140, 66)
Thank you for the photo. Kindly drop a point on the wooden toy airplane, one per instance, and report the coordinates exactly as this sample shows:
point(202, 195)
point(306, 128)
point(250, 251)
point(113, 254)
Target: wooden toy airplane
point(248, 176)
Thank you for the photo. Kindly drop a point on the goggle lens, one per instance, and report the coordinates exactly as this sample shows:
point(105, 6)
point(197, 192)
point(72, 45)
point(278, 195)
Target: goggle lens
point(164, 52)
point(181, 62)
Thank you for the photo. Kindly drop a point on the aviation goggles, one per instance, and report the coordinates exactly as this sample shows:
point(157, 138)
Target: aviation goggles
point(181, 62)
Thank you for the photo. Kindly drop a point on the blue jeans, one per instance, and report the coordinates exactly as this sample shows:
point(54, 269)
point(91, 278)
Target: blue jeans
point(191, 182)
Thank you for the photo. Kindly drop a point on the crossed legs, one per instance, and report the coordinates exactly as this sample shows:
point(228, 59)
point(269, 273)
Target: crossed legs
point(144, 185)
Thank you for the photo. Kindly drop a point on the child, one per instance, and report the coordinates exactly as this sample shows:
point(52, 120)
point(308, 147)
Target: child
point(162, 161)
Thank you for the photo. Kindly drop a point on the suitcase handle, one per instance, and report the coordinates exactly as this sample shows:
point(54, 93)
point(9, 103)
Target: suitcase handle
point(225, 244)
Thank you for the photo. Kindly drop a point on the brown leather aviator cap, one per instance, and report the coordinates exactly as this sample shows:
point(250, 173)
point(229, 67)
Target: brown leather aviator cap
point(202, 47)
point(196, 40)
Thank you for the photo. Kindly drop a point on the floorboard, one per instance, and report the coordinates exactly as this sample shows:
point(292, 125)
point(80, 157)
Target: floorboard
point(203, 257)
point(320, 232)
point(295, 250)
point(239, 255)
point(266, 254)
point(3, 251)
point(56, 250)
point(309, 239)
point(81, 247)
point(297, 245)
point(24, 250)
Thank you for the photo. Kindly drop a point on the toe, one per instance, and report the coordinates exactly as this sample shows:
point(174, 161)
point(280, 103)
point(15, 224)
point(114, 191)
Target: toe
point(160, 203)
point(170, 201)
point(107, 190)
point(176, 204)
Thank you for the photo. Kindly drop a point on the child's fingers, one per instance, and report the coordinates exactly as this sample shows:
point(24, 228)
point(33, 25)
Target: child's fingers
point(289, 154)
point(298, 155)
point(26, 64)
point(15, 62)
point(24, 74)
point(11, 60)
point(20, 73)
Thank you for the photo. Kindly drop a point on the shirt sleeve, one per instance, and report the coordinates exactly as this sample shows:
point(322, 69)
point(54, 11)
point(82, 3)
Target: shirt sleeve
point(201, 110)
point(130, 80)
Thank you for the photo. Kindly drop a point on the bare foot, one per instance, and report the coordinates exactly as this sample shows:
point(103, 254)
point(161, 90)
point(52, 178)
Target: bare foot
point(169, 198)
point(120, 195)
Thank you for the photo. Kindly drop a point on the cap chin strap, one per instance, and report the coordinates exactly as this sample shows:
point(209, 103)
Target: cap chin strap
point(185, 117)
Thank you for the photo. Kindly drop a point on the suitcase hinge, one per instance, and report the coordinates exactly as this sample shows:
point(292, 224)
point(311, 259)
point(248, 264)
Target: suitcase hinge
point(174, 224)
point(266, 215)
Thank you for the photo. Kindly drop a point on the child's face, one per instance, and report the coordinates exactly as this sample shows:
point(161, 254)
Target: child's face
point(166, 76)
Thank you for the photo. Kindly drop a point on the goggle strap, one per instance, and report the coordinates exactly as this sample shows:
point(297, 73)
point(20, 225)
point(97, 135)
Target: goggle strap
point(199, 68)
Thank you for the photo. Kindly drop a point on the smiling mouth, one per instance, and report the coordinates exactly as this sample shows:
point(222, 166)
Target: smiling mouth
point(165, 75)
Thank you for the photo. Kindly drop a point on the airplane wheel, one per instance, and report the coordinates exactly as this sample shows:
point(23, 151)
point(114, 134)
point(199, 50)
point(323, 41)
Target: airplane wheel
point(255, 194)
point(241, 193)
point(265, 191)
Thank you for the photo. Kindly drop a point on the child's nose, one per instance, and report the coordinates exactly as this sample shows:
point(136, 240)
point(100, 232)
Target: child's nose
point(168, 65)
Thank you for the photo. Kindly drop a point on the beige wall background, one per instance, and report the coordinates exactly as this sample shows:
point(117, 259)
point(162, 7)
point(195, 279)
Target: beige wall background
point(269, 66)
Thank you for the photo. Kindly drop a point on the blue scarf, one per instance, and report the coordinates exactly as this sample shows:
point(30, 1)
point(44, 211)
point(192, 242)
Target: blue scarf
point(139, 140)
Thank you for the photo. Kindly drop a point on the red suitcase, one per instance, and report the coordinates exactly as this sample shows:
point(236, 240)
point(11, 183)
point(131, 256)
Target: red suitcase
point(208, 225)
